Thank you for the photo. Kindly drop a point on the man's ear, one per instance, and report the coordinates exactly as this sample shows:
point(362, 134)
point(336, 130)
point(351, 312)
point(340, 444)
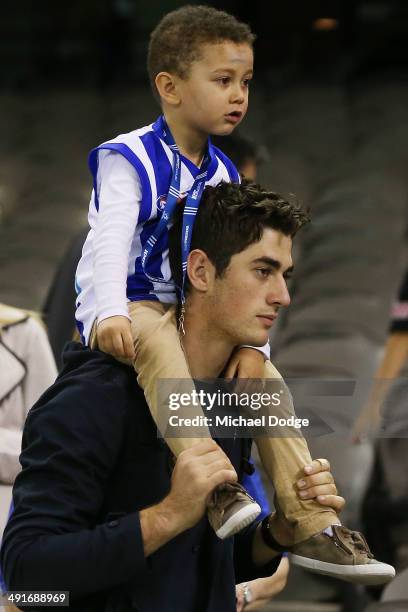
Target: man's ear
point(200, 270)
point(166, 84)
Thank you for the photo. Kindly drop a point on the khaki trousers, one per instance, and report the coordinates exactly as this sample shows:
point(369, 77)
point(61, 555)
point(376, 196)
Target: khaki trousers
point(159, 355)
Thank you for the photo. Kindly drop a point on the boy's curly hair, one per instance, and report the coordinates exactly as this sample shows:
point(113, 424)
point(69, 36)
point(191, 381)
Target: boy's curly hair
point(176, 41)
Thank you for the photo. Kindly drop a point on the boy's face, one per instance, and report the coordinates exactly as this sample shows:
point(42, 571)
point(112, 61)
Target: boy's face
point(214, 97)
point(245, 300)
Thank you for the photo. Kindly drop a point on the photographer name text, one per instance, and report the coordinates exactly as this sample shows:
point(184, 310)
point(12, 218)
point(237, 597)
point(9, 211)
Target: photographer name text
point(237, 421)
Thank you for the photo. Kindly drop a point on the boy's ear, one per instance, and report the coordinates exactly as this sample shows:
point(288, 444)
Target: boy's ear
point(167, 88)
point(200, 270)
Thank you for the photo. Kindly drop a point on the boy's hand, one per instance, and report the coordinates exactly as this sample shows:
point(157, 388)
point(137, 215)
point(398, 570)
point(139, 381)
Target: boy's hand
point(246, 363)
point(247, 366)
point(114, 336)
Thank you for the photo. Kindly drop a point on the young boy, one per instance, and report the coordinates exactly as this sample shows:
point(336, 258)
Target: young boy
point(200, 63)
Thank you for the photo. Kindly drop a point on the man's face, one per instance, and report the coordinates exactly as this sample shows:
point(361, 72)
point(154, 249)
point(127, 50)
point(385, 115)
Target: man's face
point(245, 300)
point(214, 97)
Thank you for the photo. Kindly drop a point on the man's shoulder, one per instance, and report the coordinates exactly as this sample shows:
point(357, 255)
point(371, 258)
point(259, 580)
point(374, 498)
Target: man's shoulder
point(91, 385)
point(93, 366)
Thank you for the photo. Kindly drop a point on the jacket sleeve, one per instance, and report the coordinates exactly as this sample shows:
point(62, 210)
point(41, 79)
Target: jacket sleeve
point(71, 442)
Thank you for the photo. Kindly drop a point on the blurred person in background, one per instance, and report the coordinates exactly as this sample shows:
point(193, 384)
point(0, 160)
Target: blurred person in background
point(27, 368)
point(394, 359)
point(385, 415)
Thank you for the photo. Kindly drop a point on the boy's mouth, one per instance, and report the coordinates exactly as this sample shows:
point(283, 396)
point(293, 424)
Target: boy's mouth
point(234, 116)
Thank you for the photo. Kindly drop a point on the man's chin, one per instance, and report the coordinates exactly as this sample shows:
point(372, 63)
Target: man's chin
point(256, 340)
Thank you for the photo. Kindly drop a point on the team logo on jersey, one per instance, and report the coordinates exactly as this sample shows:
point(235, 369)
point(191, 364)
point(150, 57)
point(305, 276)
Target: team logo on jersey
point(161, 202)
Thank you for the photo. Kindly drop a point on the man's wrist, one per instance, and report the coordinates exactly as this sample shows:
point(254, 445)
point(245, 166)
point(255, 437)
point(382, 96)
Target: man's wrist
point(261, 553)
point(267, 536)
point(160, 524)
point(172, 516)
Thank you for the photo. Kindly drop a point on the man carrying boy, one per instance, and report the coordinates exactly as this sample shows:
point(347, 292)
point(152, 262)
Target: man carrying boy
point(99, 512)
point(200, 62)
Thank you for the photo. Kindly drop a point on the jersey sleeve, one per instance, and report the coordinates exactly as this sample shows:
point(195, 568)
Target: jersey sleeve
point(119, 196)
point(265, 350)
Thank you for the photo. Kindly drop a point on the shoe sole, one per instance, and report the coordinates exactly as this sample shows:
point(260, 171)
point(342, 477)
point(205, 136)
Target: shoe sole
point(369, 574)
point(239, 520)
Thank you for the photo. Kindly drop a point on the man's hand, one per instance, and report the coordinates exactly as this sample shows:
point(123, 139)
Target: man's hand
point(114, 336)
point(198, 471)
point(264, 589)
point(318, 483)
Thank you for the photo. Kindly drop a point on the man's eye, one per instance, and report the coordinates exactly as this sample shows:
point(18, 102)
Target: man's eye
point(264, 272)
point(287, 276)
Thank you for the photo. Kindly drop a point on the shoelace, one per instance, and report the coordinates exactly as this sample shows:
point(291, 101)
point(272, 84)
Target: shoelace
point(226, 495)
point(355, 538)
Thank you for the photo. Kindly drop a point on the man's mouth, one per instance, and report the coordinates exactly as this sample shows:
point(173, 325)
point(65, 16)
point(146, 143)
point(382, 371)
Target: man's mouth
point(267, 319)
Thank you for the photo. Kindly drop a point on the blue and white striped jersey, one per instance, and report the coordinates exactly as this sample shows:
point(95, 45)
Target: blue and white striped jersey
point(152, 160)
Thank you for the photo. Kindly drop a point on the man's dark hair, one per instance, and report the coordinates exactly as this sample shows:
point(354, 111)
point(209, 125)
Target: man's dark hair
point(176, 41)
point(231, 217)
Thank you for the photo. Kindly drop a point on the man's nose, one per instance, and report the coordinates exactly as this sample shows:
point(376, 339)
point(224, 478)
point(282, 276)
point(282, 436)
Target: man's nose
point(279, 294)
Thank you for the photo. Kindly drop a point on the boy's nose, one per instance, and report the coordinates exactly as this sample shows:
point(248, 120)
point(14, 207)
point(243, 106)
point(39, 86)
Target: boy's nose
point(238, 96)
point(239, 99)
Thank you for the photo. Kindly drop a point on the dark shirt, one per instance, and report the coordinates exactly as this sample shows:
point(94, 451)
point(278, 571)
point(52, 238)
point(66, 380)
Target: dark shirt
point(91, 460)
point(399, 311)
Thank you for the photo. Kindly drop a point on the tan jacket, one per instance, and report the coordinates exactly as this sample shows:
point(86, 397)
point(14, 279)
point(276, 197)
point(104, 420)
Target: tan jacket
point(27, 368)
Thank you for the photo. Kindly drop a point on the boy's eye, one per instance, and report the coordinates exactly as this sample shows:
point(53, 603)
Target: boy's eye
point(247, 82)
point(224, 80)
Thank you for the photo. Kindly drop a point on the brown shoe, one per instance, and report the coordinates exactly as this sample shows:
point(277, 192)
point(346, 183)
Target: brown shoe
point(231, 509)
point(344, 555)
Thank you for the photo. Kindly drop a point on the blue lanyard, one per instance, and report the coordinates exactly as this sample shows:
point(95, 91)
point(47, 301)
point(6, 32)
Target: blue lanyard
point(162, 130)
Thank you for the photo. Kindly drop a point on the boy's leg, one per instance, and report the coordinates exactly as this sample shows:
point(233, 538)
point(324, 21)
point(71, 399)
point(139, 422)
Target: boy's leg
point(320, 543)
point(159, 355)
point(284, 459)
